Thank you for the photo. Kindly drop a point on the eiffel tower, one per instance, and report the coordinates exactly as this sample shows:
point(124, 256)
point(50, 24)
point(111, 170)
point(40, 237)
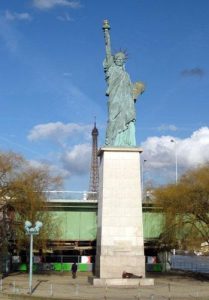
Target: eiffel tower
point(94, 172)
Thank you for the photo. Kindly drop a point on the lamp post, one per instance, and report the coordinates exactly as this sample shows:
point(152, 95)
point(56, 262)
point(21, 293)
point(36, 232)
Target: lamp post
point(176, 159)
point(142, 177)
point(32, 231)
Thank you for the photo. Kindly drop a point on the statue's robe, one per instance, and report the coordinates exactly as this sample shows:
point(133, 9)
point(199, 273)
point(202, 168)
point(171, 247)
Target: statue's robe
point(121, 109)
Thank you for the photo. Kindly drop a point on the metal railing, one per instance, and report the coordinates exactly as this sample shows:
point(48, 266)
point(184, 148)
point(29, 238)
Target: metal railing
point(71, 196)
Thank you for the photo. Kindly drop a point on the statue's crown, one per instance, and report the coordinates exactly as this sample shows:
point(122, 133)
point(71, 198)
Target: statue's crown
point(121, 52)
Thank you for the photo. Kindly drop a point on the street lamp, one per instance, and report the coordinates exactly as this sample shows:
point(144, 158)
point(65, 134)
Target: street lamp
point(173, 141)
point(32, 231)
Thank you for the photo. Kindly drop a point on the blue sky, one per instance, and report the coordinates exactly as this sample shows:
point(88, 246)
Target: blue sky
point(52, 82)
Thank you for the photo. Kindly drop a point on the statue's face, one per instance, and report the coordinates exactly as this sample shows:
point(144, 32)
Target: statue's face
point(119, 59)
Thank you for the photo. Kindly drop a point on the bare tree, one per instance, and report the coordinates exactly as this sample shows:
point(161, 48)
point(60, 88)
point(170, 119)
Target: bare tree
point(23, 197)
point(185, 206)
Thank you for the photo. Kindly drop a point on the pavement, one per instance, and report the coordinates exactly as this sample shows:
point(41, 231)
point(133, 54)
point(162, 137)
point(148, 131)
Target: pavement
point(58, 286)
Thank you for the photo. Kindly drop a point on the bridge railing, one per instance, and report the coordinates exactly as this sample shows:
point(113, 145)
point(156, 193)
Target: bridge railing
point(71, 195)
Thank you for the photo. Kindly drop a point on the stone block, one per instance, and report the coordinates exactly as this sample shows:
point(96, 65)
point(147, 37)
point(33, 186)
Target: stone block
point(120, 244)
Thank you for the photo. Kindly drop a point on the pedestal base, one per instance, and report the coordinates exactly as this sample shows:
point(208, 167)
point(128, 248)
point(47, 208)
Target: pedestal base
point(134, 282)
point(120, 244)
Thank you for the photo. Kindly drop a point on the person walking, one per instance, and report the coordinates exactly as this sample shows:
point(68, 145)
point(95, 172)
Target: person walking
point(74, 270)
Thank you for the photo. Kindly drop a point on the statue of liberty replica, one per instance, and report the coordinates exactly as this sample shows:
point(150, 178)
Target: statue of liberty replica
point(122, 95)
point(120, 242)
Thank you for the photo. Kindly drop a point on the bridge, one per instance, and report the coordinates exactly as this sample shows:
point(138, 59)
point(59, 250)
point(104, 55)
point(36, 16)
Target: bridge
point(76, 214)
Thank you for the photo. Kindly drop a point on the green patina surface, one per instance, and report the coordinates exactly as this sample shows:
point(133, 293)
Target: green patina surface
point(122, 95)
point(82, 225)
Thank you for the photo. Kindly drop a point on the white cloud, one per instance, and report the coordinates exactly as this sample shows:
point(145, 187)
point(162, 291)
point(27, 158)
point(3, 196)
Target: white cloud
point(191, 152)
point(65, 18)
point(58, 131)
point(12, 16)
point(165, 127)
point(54, 169)
point(77, 160)
point(48, 4)
point(67, 74)
point(158, 151)
point(9, 35)
point(66, 163)
point(194, 150)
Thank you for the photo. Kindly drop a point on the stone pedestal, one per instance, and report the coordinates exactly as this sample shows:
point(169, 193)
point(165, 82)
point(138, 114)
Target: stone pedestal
point(120, 244)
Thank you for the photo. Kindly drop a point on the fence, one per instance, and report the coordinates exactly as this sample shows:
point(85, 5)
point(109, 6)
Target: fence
point(64, 287)
point(63, 263)
point(192, 263)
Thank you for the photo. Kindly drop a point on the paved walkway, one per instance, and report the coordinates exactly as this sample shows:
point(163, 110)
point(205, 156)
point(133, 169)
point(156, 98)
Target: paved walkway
point(62, 286)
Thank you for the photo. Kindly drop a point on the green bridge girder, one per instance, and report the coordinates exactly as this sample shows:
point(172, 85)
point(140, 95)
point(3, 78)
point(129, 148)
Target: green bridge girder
point(78, 220)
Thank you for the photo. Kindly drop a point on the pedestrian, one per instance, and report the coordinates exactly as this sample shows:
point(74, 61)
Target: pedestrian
point(74, 270)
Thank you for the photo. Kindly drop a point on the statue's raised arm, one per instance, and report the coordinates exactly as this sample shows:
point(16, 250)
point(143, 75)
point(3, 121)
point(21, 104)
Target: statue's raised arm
point(106, 29)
